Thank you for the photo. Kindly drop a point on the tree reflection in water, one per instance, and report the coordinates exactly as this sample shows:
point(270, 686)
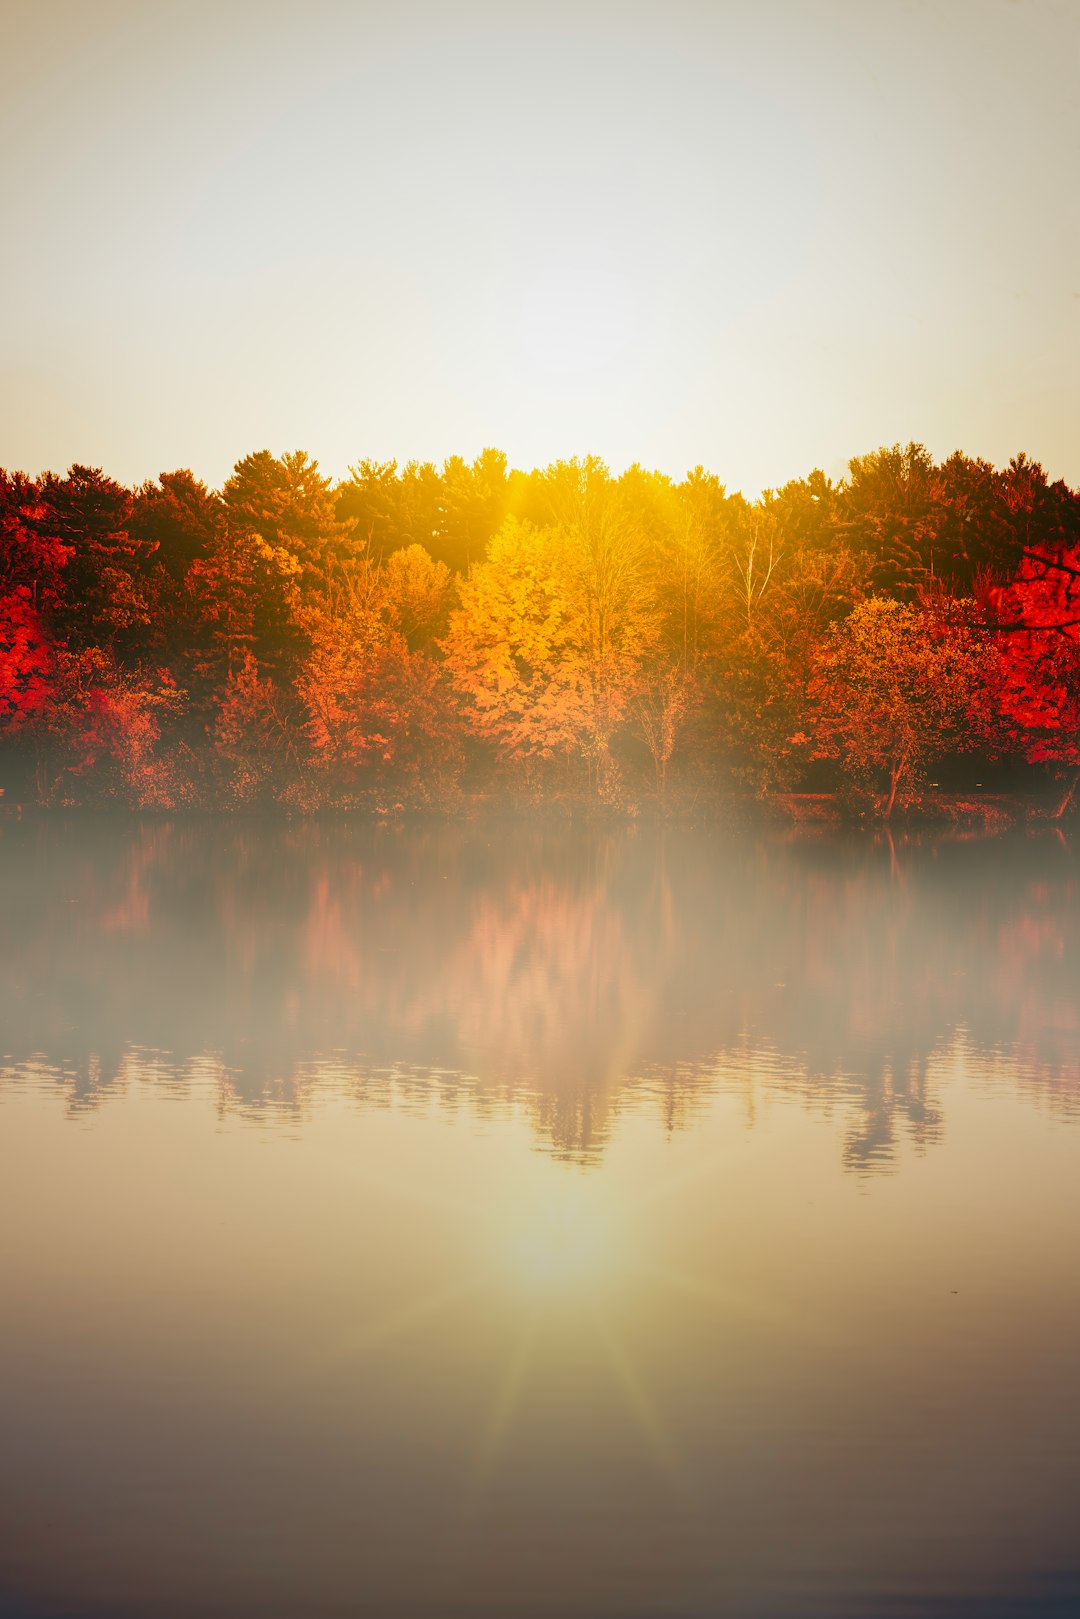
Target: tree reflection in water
point(572, 972)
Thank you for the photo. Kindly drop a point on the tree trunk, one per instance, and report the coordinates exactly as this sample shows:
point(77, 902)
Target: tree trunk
point(895, 776)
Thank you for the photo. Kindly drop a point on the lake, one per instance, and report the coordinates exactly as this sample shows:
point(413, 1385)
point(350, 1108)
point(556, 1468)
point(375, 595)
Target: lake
point(530, 1221)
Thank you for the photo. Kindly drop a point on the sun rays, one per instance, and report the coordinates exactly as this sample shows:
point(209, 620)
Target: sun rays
point(504, 1407)
point(560, 1279)
point(399, 1321)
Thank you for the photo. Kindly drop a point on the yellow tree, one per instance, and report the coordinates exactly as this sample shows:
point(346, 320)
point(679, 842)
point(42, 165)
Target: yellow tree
point(416, 591)
point(696, 562)
point(514, 646)
point(687, 531)
point(612, 597)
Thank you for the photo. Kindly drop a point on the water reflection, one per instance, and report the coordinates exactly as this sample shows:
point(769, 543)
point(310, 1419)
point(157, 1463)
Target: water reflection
point(575, 974)
point(297, 1321)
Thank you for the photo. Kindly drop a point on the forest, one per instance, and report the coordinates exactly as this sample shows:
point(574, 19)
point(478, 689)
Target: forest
point(416, 637)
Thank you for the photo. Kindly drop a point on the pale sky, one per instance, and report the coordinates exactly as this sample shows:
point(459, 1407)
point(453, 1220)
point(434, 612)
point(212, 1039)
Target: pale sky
point(763, 237)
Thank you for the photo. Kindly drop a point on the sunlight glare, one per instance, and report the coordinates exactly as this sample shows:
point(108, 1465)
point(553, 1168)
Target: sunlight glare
point(561, 1244)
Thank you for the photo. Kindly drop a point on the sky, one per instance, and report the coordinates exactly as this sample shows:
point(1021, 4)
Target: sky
point(758, 237)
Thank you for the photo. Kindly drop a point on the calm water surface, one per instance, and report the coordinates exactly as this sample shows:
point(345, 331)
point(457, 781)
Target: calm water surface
point(512, 1222)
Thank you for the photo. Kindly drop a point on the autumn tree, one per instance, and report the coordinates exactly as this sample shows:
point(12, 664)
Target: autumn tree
point(179, 524)
point(387, 509)
point(104, 599)
point(553, 627)
point(227, 588)
point(176, 520)
point(33, 554)
point(611, 594)
point(474, 502)
point(289, 507)
point(1040, 661)
point(1045, 526)
point(887, 512)
point(97, 737)
point(369, 502)
point(666, 694)
point(256, 735)
point(974, 539)
point(31, 573)
point(514, 646)
point(26, 664)
point(416, 593)
point(789, 575)
point(897, 685)
point(686, 534)
point(376, 710)
point(284, 547)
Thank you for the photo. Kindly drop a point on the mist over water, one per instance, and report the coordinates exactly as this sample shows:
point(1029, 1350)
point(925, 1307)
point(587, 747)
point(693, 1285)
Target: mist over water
point(496, 1219)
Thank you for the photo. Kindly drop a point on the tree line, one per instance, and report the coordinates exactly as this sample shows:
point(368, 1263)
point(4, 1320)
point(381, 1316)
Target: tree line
point(420, 635)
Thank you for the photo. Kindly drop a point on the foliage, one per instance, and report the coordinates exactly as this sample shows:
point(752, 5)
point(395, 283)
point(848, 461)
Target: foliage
point(26, 662)
point(98, 732)
point(618, 639)
point(254, 735)
point(897, 685)
point(417, 593)
point(514, 645)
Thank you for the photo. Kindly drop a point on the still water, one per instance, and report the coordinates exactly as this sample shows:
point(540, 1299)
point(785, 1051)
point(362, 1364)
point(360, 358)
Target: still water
point(501, 1221)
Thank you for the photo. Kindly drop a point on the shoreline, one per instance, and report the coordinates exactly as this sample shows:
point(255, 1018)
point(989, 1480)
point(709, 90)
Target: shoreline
point(990, 812)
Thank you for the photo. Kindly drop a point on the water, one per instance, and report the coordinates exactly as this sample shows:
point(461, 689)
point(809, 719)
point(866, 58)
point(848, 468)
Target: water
point(493, 1221)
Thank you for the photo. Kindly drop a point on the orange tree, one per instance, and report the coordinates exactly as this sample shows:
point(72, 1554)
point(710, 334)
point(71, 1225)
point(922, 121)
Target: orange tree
point(376, 711)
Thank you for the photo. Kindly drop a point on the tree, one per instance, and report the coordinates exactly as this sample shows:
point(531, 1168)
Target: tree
point(1040, 659)
point(887, 513)
point(32, 555)
point(369, 501)
point(285, 547)
point(417, 593)
point(98, 732)
point(254, 735)
point(612, 598)
point(774, 620)
point(474, 502)
point(288, 507)
point(375, 709)
point(177, 519)
point(686, 539)
point(754, 564)
point(104, 599)
point(26, 662)
point(897, 685)
point(665, 697)
point(180, 525)
point(328, 641)
point(387, 509)
point(514, 646)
